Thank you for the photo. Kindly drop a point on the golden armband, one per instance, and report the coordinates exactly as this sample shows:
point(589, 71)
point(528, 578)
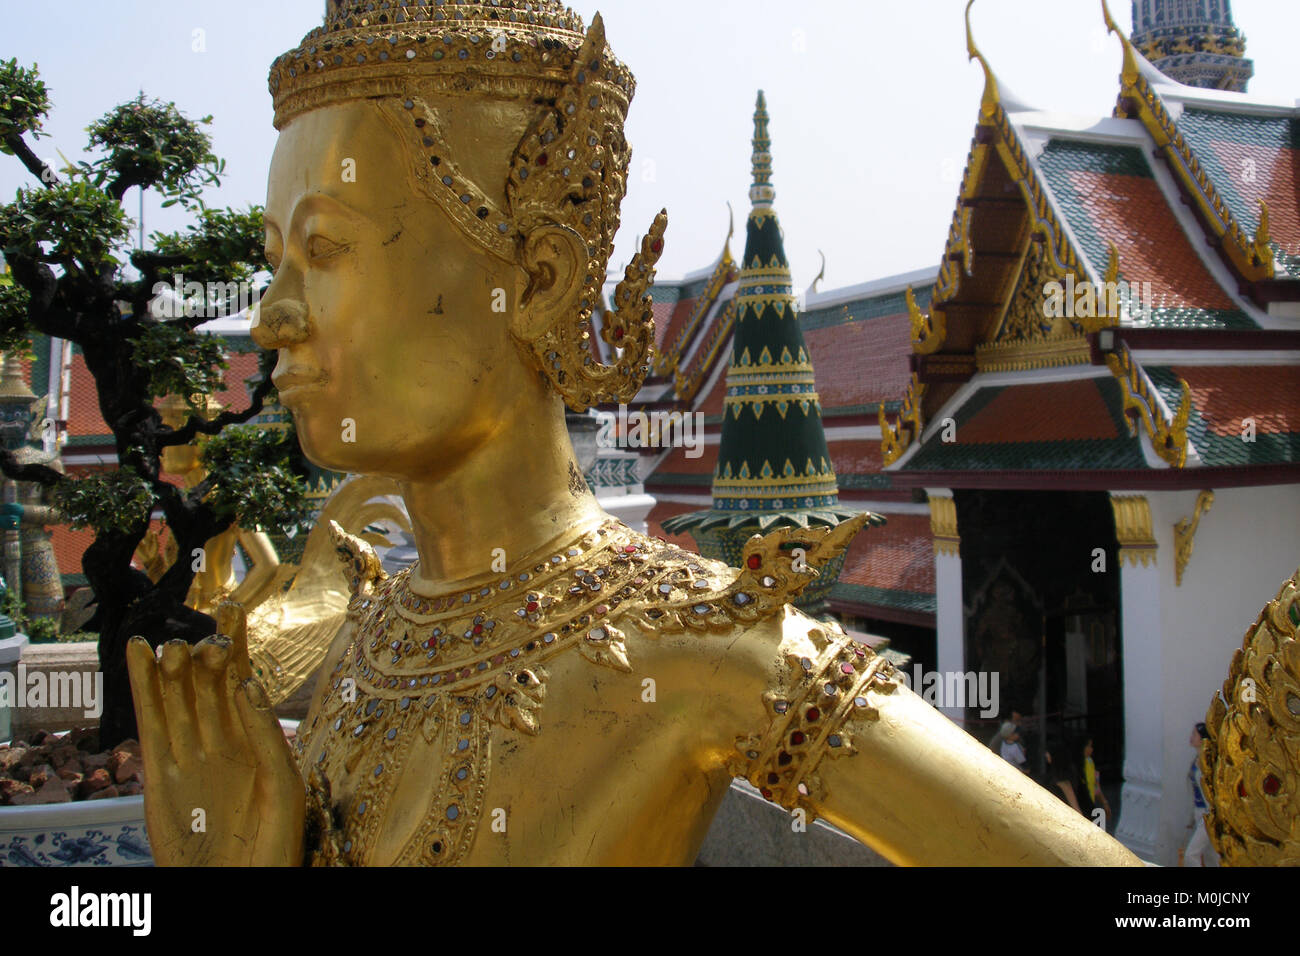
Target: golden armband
point(812, 716)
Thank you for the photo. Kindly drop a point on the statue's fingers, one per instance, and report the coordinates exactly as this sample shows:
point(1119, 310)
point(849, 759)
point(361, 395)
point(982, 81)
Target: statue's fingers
point(219, 728)
point(178, 702)
point(279, 774)
point(232, 621)
point(150, 717)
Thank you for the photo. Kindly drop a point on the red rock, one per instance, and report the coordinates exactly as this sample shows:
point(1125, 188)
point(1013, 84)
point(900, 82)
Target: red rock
point(106, 794)
point(67, 774)
point(129, 768)
point(130, 789)
point(95, 781)
point(64, 754)
point(38, 736)
point(93, 762)
point(11, 757)
point(53, 792)
point(40, 775)
point(11, 788)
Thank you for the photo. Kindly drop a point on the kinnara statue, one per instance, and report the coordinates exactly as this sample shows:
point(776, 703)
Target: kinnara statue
point(441, 208)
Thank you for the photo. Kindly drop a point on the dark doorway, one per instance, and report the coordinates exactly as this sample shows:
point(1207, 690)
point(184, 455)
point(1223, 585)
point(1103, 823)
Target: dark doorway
point(1040, 589)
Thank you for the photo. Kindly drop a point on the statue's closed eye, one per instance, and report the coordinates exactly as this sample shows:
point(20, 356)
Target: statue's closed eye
point(318, 247)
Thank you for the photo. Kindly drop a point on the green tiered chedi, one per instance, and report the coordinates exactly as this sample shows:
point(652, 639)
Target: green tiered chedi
point(774, 470)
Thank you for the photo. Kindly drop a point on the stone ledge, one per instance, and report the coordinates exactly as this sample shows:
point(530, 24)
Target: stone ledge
point(749, 831)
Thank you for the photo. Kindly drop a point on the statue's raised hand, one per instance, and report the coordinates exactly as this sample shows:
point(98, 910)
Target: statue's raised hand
point(211, 743)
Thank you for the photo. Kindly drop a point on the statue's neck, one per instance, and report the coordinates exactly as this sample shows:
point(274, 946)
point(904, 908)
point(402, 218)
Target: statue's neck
point(518, 494)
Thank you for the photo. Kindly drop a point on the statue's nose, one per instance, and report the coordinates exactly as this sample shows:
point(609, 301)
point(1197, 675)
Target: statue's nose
point(280, 323)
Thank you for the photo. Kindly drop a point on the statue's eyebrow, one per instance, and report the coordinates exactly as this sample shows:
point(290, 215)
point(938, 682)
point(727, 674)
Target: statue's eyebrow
point(315, 202)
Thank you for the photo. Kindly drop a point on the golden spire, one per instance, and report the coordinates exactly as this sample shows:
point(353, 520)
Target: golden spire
point(13, 384)
point(1129, 72)
point(989, 101)
point(761, 193)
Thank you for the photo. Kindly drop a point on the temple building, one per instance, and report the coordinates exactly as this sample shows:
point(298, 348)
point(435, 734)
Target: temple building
point(1082, 427)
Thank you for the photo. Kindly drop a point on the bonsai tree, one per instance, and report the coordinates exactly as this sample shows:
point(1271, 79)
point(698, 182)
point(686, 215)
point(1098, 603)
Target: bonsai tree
point(64, 238)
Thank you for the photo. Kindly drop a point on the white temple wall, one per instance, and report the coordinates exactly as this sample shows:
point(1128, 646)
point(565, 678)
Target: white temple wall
point(1246, 545)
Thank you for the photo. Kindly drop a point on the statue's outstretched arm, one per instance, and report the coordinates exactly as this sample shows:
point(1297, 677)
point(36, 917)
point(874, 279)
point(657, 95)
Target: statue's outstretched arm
point(840, 735)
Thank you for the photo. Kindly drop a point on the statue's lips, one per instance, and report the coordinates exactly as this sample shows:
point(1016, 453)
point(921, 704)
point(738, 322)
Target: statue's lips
point(296, 382)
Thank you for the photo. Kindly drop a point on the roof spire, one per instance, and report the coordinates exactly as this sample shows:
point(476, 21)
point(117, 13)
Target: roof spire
point(989, 101)
point(761, 192)
point(774, 468)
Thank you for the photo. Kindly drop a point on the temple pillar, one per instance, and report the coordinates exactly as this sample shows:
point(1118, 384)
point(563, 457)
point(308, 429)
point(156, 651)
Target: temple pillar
point(950, 618)
point(1138, 827)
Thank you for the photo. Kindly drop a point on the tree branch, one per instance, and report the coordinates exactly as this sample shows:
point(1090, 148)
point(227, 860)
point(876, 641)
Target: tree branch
point(29, 159)
point(195, 425)
point(42, 288)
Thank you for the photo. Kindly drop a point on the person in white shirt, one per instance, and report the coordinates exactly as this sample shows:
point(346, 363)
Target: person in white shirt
point(1012, 752)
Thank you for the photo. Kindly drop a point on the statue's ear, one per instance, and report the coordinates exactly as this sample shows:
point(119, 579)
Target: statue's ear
point(555, 261)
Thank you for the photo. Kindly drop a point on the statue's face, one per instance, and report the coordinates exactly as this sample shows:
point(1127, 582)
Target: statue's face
point(405, 368)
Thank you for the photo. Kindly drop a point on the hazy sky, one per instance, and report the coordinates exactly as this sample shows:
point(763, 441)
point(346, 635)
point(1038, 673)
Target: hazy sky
point(872, 103)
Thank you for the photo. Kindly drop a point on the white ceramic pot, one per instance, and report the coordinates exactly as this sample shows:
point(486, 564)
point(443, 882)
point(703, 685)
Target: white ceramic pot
point(107, 832)
point(81, 833)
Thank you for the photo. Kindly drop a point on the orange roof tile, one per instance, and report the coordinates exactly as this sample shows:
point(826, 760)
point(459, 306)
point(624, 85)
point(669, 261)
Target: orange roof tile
point(1131, 212)
point(83, 401)
point(1225, 395)
point(856, 457)
point(1052, 411)
point(898, 556)
point(862, 362)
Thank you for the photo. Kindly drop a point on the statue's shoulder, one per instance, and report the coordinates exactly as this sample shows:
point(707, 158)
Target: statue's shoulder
point(688, 592)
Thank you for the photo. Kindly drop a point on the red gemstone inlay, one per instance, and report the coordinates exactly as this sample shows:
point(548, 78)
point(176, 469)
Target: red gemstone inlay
point(657, 246)
point(1272, 785)
point(618, 333)
point(754, 561)
point(478, 628)
point(797, 737)
point(629, 549)
point(1241, 788)
point(541, 159)
point(767, 794)
point(532, 606)
point(813, 714)
point(847, 668)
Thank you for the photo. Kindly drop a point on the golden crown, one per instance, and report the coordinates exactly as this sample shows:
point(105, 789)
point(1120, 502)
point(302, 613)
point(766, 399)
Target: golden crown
point(569, 169)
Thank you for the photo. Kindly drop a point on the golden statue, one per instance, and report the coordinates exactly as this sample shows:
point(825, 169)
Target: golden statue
point(543, 685)
point(214, 581)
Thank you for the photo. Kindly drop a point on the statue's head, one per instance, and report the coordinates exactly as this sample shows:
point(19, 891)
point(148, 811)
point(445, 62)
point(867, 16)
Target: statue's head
point(441, 207)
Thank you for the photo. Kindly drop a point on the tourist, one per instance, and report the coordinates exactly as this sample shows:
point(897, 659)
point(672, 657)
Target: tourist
point(1011, 750)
